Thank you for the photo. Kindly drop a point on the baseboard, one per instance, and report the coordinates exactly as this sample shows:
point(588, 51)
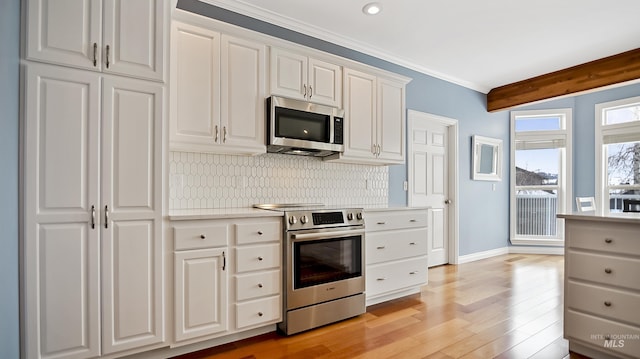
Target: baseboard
point(482, 255)
point(536, 250)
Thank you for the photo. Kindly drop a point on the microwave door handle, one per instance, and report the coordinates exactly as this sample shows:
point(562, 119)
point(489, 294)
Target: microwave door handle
point(326, 235)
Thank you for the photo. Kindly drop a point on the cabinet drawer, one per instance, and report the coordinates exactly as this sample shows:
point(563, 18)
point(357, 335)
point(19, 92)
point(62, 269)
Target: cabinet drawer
point(193, 237)
point(250, 258)
point(608, 237)
point(388, 277)
point(250, 286)
point(605, 302)
point(258, 312)
point(388, 246)
point(258, 232)
point(382, 221)
point(594, 330)
point(604, 269)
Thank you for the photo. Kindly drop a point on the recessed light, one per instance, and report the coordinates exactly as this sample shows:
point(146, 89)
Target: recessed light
point(372, 8)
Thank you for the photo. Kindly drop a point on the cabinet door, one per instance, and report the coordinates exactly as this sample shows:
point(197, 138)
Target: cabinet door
point(243, 94)
point(360, 113)
point(288, 74)
point(61, 247)
point(65, 32)
point(134, 38)
point(131, 214)
point(391, 121)
point(200, 287)
point(325, 83)
point(195, 88)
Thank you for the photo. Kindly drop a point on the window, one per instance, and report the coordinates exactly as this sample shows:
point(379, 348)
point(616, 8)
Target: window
point(617, 153)
point(540, 175)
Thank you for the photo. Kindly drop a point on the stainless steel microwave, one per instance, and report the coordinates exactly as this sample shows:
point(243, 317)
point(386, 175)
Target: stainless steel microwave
point(302, 128)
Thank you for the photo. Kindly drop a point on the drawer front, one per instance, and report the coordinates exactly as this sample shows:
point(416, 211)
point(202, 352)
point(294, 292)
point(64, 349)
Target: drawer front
point(382, 221)
point(251, 258)
point(605, 302)
point(388, 277)
point(251, 286)
point(594, 330)
point(259, 232)
point(258, 312)
point(608, 237)
point(194, 237)
point(399, 244)
point(604, 269)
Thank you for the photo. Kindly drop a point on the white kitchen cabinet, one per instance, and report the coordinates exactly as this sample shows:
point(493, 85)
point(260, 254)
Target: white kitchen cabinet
point(123, 37)
point(302, 77)
point(218, 91)
point(396, 253)
point(92, 213)
point(375, 117)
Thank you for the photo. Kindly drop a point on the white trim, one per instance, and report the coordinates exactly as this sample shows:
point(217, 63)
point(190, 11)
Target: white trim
point(271, 17)
point(482, 255)
point(537, 242)
point(454, 186)
point(536, 250)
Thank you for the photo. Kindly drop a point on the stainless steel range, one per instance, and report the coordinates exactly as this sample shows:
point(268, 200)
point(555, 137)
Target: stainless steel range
point(323, 266)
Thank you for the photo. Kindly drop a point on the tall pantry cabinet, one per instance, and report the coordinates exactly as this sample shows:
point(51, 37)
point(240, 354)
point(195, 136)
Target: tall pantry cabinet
point(92, 179)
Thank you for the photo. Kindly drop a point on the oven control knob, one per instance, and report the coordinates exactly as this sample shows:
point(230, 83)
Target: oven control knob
point(293, 220)
point(304, 219)
point(350, 216)
point(359, 216)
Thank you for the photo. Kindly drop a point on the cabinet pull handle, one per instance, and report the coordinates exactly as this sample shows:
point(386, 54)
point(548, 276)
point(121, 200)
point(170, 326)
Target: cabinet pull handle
point(310, 91)
point(202, 236)
point(414, 272)
point(412, 243)
point(224, 261)
point(608, 240)
point(93, 217)
point(381, 279)
point(260, 314)
point(608, 270)
point(95, 54)
point(106, 216)
point(413, 220)
point(259, 285)
point(381, 247)
point(107, 56)
point(260, 258)
point(224, 134)
point(260, 233)
point(216, 136)
point(607, 303)
point(381, 223)
point(304, 94)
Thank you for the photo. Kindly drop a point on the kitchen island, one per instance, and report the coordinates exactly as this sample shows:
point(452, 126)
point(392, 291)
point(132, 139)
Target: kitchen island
point(602, 284)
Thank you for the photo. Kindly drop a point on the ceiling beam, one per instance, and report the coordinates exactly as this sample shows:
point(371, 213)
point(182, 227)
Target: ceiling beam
point(588, 76)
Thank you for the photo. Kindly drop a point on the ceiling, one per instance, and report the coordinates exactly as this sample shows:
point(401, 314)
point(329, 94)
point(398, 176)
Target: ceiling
point(479, 44)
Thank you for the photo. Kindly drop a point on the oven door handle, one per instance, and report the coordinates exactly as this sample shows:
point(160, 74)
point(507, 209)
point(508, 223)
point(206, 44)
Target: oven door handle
point(326, 235)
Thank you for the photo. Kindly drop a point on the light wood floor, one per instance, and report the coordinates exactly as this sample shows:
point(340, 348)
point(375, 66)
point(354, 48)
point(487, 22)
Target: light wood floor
point(503, 307)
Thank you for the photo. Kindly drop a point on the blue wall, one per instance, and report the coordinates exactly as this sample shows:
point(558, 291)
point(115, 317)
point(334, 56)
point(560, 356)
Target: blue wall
point(9, 104)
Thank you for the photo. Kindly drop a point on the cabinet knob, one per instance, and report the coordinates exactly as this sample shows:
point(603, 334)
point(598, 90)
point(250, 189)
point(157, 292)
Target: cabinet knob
point(608, 270)
point(260, 258)
point(607, 303)
point(608, 240)
point(260, 233)
point(607, 337)
point(259, 285)
point(202, 236)
point(260, 314)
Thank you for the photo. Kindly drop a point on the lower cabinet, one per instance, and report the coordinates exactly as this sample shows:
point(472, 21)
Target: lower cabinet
point(227, 276)
point(396, 253)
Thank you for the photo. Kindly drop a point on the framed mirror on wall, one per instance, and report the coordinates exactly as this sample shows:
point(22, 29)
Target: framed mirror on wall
point(487, 158)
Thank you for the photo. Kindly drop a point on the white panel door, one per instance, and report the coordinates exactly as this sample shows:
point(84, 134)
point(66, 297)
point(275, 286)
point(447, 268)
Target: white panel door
point(325, 83)
point(66, 32)
point(61, 237)
point(360, 113)
point(134, 38)
point(288, 72)
point(430, 183)
point(391, 120)
point(200, 287)
point(132, 214)
point(243, 93)
point(195, 86)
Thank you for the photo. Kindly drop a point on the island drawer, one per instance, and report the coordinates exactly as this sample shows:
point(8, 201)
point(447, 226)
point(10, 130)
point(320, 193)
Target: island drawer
point(604, 269)
point(602, 333)
point(604, 237)
point(605, 302)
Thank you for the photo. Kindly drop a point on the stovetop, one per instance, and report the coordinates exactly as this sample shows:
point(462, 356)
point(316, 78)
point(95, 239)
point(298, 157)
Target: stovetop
point(316, 215)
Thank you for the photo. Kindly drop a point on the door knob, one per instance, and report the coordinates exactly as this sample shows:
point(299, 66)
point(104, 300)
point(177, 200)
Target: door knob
point(447, 201)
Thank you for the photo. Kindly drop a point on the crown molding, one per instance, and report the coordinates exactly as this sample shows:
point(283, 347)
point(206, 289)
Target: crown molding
point(271, 17)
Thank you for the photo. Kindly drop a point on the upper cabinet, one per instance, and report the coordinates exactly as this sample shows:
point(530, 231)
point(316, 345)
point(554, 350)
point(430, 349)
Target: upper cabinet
point(375, 119)
point(301, 77)
point(218, 91)
point(124, 37)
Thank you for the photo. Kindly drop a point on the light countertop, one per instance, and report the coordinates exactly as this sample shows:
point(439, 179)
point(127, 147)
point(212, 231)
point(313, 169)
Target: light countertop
point(220, 213)
point(598, 217)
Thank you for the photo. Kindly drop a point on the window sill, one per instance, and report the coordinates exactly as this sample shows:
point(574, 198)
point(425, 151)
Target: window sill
point(538, 242)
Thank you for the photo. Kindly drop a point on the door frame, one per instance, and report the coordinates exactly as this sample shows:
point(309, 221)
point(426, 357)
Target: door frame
point(452, 164)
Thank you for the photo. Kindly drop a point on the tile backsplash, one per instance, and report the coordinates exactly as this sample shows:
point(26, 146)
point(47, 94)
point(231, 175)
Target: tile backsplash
point(201, 180)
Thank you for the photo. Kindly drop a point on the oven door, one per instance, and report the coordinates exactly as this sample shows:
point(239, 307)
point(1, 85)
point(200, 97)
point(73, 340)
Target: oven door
point(323, 265)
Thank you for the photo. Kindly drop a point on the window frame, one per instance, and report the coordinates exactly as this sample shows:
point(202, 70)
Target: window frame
point(565, 177)
point(601, 131)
